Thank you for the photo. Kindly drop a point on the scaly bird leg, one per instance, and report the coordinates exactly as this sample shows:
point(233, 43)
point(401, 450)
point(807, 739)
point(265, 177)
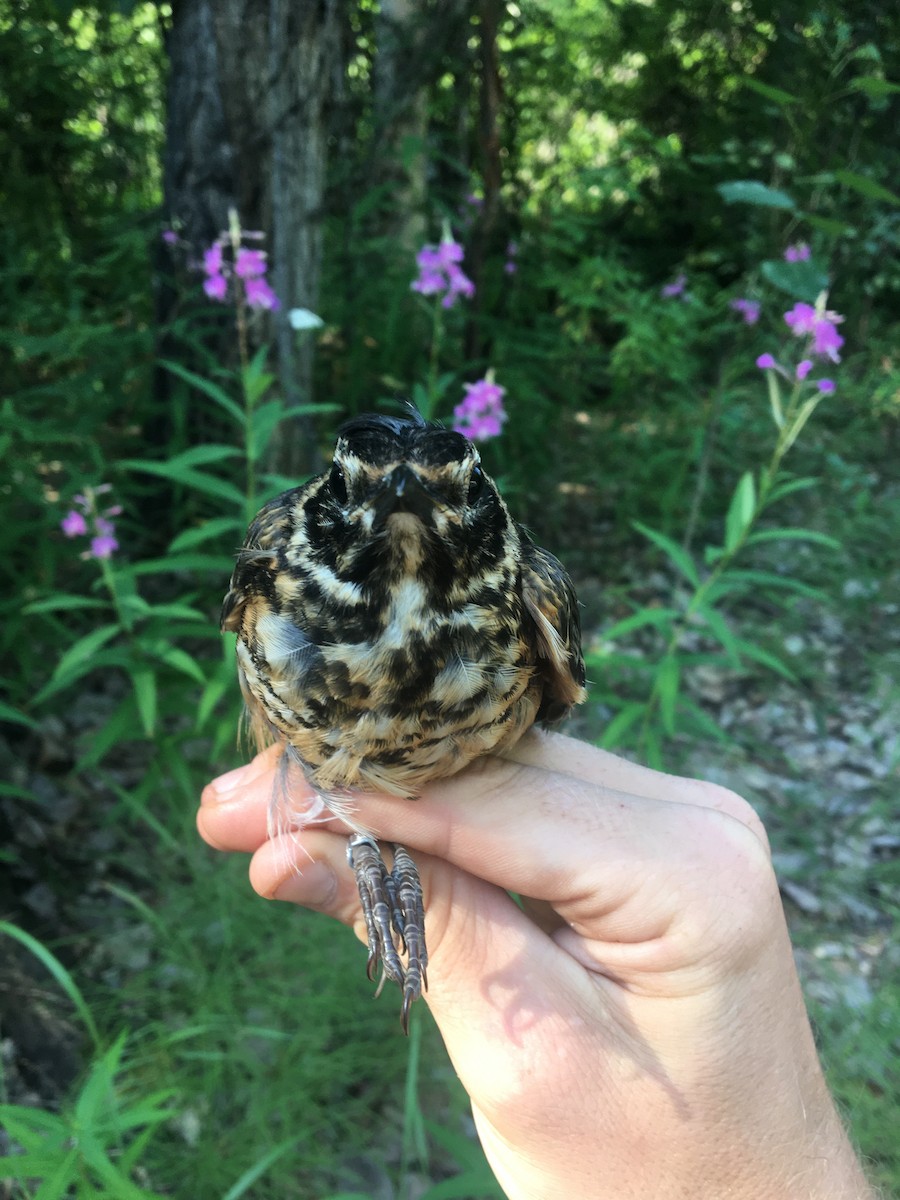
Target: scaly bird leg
point(392, 904)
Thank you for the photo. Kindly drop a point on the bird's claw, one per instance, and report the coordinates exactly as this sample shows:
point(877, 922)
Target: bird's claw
point(395, 919)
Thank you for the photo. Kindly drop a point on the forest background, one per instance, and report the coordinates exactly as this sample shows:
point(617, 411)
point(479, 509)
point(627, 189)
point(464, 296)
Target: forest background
point(679, 230)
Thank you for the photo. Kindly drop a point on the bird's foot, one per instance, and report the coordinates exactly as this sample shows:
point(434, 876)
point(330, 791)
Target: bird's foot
point(394, 913)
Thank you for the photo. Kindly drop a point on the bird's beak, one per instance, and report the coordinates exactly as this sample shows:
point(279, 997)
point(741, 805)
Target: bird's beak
point(404, 492)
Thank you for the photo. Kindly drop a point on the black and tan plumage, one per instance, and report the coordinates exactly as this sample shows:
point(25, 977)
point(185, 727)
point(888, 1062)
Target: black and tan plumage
point(394, 623)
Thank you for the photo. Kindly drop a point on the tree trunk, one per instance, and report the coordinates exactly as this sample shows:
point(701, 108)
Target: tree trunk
point(401, 118)
point(249, 90)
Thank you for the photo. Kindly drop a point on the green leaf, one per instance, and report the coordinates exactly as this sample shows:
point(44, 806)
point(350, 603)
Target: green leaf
point(173, 612)
point(59, 973)
point(208, 387)
point(215, 689)
point(865, 186)
point(705, 723)
point(789, 534)
point(668, 678)
point(741, 511)
point(678, 555)
point(63, 603)
point(78, 654)
point(144, 681)
point(275, 484)
point(200, 481)
point(721, 631)
point(118, 728)
point(205, 533)
point(200, 456)
point(180, 660)
point(805, 412)
point(175, 563)
point(766, 658)
point(625, 719)
point(747, 581)
point(311, 410)
point(777, 95)
point(801, 280)
point(259, 1168)
point(789, 486)
point(263, 423)
point(751, 191)
point(875, 87)
point(644, 616)
point(256, 379)
point(830, 225)
point(15, 717)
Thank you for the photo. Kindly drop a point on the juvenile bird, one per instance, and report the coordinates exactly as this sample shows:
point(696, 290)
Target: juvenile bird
point(394, 623)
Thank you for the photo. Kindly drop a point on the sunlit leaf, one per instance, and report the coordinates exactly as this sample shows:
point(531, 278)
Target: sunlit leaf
point(866, 187)
point(741, 511)
point(752, 191)
point(678, 555)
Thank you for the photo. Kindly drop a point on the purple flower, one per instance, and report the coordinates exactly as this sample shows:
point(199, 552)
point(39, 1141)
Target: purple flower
point(212, 259)
point(805, 320)
point(260, 295)
point(103, 546)
point(93, 523)
point(801, 319)
point(799, 252)
point(480, 415)
point(749, 309)
point(216, 287)
point(440, 272)
point(825, 386)
point(170, 237)
point(766, 362)
point(827, 341)
point(449, 252)
point(676, 287)
point(459, 284)
point(73, 524)
point(249, 264)
point(804, 368)
point(429, 259)
point(243, 263)
point(429, 283)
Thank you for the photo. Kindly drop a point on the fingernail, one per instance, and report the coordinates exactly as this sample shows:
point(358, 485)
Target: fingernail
point(313, 886)
point(229, 783)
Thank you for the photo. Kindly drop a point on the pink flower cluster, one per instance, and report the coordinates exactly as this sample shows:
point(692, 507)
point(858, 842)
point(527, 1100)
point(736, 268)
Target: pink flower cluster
point(749, 309)
point(86, 520)
point(249, 267)
point(819, 326)
point(480, 416)
point(800, 252)
point(675, 288)
point(803, 319)
point(440, 272)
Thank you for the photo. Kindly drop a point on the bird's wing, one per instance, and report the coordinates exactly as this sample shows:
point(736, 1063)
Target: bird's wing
point(551, 603)
point(269, 531)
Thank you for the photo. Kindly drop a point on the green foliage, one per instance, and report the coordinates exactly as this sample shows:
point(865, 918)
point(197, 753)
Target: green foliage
point(861, 1049)
point(91, 1149)
point(638, 142)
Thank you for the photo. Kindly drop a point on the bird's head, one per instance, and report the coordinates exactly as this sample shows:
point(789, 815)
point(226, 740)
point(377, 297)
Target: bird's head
point(406, 492)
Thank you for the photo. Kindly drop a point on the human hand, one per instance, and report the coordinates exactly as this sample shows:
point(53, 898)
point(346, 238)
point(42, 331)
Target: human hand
point(640, 1030)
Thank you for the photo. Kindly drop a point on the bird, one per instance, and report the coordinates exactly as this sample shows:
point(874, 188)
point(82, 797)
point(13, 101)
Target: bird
point(395, 623)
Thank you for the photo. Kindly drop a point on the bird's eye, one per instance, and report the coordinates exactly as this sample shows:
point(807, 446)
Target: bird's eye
point(338, 484)
point(476, 485)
